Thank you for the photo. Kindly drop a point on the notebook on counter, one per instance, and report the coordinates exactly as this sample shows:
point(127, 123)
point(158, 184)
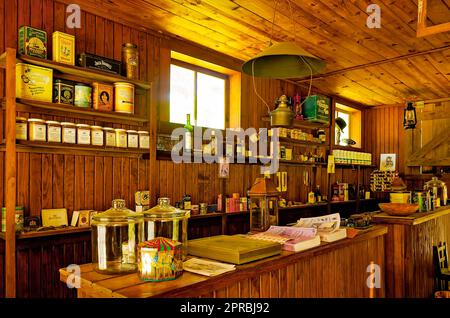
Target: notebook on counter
point(234, 249)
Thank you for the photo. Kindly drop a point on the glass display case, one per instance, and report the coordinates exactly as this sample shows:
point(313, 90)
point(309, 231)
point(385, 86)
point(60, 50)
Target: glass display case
point(116, 234)
point(438, 191)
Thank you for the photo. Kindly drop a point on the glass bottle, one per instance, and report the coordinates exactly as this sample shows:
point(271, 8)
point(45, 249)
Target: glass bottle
point(188, 134)
point(438, 191)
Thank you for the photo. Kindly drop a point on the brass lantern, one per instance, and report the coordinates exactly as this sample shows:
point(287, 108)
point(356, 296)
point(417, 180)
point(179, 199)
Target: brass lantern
point(409, 117)
point(263, 205)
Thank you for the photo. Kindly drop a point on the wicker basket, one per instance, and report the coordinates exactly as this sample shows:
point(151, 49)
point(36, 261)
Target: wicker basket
point(442, 294)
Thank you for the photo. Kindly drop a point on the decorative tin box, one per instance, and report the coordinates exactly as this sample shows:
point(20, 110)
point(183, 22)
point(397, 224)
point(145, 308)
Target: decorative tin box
point(100, 63)
point(63, 48)
point(32, 42)
point(34, 82)
point(103, 97)
point(317, 108)
point(63, 92)
point(159, 260)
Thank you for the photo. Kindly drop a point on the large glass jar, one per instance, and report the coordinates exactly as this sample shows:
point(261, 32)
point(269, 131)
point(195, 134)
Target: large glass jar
point(438, 190)
point(116, 234)
point(167, 221)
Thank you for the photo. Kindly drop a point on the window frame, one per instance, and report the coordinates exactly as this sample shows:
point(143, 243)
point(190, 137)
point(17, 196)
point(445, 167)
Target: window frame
point(199, 69)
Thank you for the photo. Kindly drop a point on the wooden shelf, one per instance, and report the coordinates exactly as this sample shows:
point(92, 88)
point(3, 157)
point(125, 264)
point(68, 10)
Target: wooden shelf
point(76, 71)
point(305, 124)
point(303, 142)
point(206, 216)
point(301, 163)
point(63, 231)
point(31, 106)
point(58, 148)
point(350, 165)
point(303, 206)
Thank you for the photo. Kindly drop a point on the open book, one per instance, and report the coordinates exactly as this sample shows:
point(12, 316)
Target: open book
point(293, 238)
point(327, 226)
point(207, 268)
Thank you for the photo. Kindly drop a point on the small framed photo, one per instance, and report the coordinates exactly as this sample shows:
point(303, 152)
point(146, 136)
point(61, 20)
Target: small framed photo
point(388, 161)
point(224, 168)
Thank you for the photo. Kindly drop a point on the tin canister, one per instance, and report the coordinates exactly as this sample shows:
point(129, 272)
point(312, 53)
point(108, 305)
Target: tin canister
point(124, 97)
point(32, 42)
point(103, 97)
point(18, 218)
point(83, 94)
point(130, 59)
point(34, 82)
point(63, 92)
point(63, 48)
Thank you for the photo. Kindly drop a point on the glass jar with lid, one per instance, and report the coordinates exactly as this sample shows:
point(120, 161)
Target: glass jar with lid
point(164, 220)
point(438, 192)
point(116, 234)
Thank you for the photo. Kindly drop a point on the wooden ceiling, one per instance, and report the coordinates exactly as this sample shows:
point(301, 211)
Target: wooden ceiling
point(369, 66)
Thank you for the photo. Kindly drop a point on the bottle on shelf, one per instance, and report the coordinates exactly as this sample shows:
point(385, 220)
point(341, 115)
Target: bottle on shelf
point(318, 194)
point(311, 197)
point(188, 134)
point(187, 203)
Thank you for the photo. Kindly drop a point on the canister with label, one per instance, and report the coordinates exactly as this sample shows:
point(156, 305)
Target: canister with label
point(121, 138)
point(103, 97)
point(21, 128)
point(69, 133)
point(83, 95)
point(32, 42)
point(110, 136)
point(97, 135)
point(124, 97)
point(37, 129)
point(63, 92)
point(63, 48)
point(83, 134)
point(53, 131)
point(133, 139)
point(130, 60)
point(144, 139)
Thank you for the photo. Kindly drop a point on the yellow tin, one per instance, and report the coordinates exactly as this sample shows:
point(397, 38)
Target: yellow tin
point(34, 82)
point(21, 128)
point(124, 97)
point(63, 48)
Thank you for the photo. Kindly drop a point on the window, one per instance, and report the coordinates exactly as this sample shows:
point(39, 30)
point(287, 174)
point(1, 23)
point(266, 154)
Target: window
point(352, 130)
point(200, 92)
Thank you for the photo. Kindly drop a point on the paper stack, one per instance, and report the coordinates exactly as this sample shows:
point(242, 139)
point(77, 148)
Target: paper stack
point(327, 227)
point(207, 268)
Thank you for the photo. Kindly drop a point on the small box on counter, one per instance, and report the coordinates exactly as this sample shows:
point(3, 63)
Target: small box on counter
point(63, 48)
point(54, 217)
point(100, 63)
point(32, 42)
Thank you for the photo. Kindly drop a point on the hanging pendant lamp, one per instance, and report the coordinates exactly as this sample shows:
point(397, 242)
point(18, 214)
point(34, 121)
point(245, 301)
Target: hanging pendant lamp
point(283, 60)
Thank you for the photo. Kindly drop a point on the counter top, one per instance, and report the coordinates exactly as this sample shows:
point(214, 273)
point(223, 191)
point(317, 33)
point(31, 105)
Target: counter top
point(100, 285)
point(413, 219)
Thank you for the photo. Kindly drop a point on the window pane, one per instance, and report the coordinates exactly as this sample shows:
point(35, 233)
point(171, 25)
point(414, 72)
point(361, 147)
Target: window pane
point(181, 94)
point(210, 101)
point(345, 134)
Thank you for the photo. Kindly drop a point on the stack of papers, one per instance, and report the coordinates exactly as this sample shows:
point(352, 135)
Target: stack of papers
point(327, 227)
point(206, 268)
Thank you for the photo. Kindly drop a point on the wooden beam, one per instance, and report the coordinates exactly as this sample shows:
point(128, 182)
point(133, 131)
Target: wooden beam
point(422, 28)
point(385, 61)
point(10, 173)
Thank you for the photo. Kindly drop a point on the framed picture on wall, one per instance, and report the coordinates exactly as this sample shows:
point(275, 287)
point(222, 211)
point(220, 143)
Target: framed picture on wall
point(388, 161)
point(224, 168)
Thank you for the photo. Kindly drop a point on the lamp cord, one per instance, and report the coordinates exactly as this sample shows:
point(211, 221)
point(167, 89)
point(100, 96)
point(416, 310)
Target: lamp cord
point(273, 20)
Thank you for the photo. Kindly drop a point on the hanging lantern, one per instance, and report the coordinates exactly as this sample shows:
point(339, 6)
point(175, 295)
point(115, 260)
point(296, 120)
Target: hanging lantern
point(283, 115)
point(263, 205)
point(409, 117)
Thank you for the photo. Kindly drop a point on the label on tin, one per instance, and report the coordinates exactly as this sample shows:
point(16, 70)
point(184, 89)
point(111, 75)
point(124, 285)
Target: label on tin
point(84, 136)
point(97, 138)
point(110, 139)
point(144, 142)
point(54, 134)
point(83, 96)
point(132, 141)
point(38, 133)
point(122, 141)
point(21, 131)
point(69, 135)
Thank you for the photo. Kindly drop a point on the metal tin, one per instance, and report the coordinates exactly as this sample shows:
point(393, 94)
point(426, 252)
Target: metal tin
point(83, 95)
point(97, 136)
point(103, 97)
point(121, 138)
point(69, 133)
point(32, 42)
point(37, 129)
point(18, 219)
point(124, 97)
point(130, 60)
point(83, 134)
point(133, 139)
point(144, 139)
point(21, 128)
point(110, 136)
point(63, 92)
point(34, 82)
point(63, 48)
point(53, 131)
point(100, 63)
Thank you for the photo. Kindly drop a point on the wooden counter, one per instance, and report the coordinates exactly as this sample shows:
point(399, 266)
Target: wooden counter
point(409, 251)
point(335, 269)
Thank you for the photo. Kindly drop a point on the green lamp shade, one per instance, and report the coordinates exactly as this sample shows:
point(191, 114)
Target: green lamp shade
point(283, 60)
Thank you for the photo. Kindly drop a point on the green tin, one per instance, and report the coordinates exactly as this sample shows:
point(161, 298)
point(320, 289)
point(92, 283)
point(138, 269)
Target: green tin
point(317, 108)
point(32, 42)
point(19, 218)
point(83, 95)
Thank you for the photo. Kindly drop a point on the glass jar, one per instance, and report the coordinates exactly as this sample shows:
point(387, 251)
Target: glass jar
point(37, 129)
point(53, 131)
point(121, 138)
point(438, 192)
point(110, 137)
point(21, 128)
point(97, 136)
point(116, 234)
point(144, 139)
point(83, 134)
point(167, 221)
point(133, 139)
point(69, 132)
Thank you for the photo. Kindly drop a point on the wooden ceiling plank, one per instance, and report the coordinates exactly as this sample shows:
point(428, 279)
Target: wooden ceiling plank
point(429, 72)
point(441, 62)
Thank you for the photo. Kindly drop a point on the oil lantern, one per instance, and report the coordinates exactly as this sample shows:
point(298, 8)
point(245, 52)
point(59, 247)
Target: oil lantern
point(263, 205)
